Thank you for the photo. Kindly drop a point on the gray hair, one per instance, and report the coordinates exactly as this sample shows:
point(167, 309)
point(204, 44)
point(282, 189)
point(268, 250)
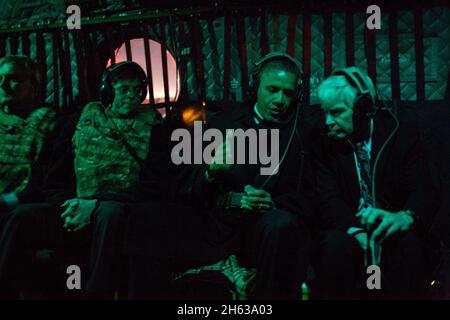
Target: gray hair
point(337, 88)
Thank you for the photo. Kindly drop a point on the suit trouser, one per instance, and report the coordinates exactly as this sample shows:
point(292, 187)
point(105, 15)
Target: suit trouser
point(31, 227)
point(445, 272)
point(276, 243)
point(23, 231)
point(339, 266)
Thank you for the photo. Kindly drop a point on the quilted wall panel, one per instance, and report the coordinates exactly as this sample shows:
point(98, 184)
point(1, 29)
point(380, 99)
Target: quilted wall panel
point(359, 23)
point(436, 52)
point(211, 38)
point(33, 51)
point(189, 82)
point(213, 57)
point(277, 32)
point(8, 46)
point(52, 89)
point(298, 40)
point(338, 41)
point(73, 67)
point(236, 89)
point(253, 36)
point(317, 55)
point(407, 59)
point(383, 60)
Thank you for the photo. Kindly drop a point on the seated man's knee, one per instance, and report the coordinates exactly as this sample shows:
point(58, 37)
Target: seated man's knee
point(26, 213)
point(109, 212)
point(283, 226)
point(335, 242)
point(279, 220)
point(410, 240)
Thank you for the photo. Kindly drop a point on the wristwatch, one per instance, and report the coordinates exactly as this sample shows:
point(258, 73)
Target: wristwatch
point(413, 215)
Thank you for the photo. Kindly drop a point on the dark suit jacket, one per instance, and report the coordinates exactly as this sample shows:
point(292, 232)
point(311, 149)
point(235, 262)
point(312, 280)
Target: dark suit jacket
point(401, 179)
point(290, 188)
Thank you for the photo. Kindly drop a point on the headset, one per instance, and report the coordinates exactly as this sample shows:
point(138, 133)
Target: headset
point(258, 66)
point(106, 90)
point(366, 101)
point(253, 88)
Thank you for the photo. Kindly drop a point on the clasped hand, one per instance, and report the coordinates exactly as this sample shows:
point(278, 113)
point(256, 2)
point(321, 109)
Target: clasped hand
point(78, 213)
point(381, 224)
point(256, 200)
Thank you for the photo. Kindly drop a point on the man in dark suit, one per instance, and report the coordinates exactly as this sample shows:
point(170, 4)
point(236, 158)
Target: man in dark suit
point(233, 208)
point(375, 201)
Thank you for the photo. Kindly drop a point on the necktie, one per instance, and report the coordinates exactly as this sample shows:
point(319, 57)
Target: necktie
point(363, 156)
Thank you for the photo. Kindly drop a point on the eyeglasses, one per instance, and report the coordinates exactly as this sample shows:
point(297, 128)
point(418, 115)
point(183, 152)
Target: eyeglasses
point(123, 90)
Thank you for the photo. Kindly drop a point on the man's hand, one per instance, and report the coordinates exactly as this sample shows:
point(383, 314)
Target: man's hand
point(382, 223)
point(221, 157)
point(257, 200)
point(363, 240)
point(78, 213)
point(365, 244)
point(8, 201)
point(70, 211)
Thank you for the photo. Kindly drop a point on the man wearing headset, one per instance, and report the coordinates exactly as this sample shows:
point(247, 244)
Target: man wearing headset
point(231, 208)
point(101, 160)
point(374, 198)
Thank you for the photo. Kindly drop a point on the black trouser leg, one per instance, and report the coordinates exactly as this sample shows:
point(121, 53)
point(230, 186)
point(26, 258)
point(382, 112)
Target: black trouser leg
point(339, 267)
point(23, 231)
point(405, 267)
point(163, 238)
point(445, 272)
point(338, 264)
point(150, 278)
point(108, 227)
point(281, 245)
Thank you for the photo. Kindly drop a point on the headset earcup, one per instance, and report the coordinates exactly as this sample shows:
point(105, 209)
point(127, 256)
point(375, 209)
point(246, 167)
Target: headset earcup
point(105, 87)
point(364, 106)
point(252, 84)
point(364, 103)
point(103, 94)
point(144, 89)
